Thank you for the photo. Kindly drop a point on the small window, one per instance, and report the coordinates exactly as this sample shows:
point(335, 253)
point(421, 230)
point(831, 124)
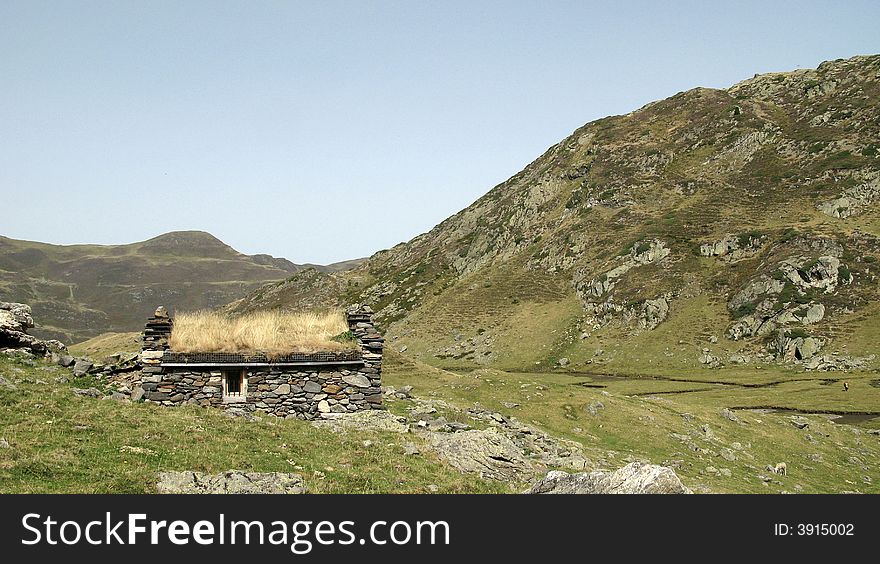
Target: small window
point(234, 386)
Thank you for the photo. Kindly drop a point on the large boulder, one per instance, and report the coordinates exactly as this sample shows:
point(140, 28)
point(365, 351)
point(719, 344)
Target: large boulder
point(230, 482)
point(488, 453)
point(15, 320)
point(15, 317)
point(368, 420)
point(634, 478)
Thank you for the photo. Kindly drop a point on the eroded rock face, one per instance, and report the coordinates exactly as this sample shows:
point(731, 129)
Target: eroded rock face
point(230, 482)
point(854, 200)
point(598, 297)
point(732, 248)
point(768, 303)
point(634, 478)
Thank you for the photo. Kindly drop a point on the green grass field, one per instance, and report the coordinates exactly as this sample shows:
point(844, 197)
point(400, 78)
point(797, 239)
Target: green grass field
point(63, 443)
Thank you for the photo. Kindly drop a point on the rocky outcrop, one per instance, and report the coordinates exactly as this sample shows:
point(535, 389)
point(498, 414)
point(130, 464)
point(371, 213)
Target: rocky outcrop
point(653, 312)
point(505, 450)
point(15, 320)
point(854, 200)
point(788, 297)
point(634, 478)
point(645, 315)
point(488, 453)
point(230, 482)
point(732, 248)
point(796, 347)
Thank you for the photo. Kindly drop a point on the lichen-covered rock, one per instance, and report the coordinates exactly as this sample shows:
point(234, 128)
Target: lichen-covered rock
point(488, 453)
point(634, 478)
point(372, 420)
point(230, 482)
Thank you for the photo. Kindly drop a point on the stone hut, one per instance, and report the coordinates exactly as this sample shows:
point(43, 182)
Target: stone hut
point(296, 385)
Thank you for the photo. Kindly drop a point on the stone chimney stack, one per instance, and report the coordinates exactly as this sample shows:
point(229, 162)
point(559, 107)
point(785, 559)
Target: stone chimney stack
point(157, 333)
point(360, 323)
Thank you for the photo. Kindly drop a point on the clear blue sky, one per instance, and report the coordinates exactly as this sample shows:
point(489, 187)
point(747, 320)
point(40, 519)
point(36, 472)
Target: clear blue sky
point(321, 131)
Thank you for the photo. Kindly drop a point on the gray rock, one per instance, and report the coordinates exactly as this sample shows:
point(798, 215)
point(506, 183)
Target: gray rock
point(488, 453)
point(312, 387)
point(230, 482)
point(634, 478)
point(357, 380)
point(88, 392)
point(4, 443)
point(410, 449)
point(6, 384)
point(594, 407)
point(728, 414)
point(82, 366)
point(137, 394)
point(65, 360)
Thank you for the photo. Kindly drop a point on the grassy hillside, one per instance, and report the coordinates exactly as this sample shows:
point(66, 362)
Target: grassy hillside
point(744, 221)
point(80, 291)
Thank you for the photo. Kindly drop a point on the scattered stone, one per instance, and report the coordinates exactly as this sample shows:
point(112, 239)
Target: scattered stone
point(81, 367)
point(433, 488)
point(800, 422)
point(88, 392)
point(487, 453)
point(6, 384)
point(230, 482)
point(634, 478)
point(510, 404)
point(730, 415)
point(137, 450)
point(373, 420)
point(410, 449)
point(64, 360)
point(242, 413)
point(137, 394)
point(4, 443)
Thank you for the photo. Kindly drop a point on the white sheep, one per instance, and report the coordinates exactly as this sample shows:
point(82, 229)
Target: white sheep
point(781, 468)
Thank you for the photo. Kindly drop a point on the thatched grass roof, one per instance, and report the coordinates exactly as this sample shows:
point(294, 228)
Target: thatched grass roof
point(269, 332)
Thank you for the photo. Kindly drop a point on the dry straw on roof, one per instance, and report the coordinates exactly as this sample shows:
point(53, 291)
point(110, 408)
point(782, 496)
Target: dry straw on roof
point(269, 332)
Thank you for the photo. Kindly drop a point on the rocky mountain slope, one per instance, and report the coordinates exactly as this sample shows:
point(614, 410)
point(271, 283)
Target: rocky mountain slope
point(79, 291)
point(716, 227)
